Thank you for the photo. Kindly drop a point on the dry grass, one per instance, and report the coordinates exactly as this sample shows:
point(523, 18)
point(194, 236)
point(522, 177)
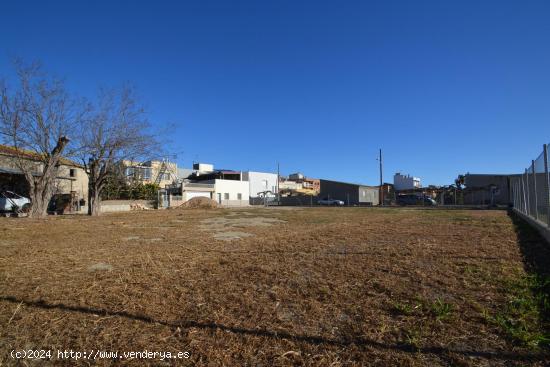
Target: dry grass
point(323, 287)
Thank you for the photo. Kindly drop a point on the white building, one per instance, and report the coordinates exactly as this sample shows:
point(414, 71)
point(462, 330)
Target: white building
point(260, 182)
point(226, 187)
point(405, 182)
point(231, 192)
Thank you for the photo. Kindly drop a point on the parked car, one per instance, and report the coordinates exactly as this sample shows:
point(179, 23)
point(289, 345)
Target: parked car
point(327, 201)
point(411, 199)
point(12, 202)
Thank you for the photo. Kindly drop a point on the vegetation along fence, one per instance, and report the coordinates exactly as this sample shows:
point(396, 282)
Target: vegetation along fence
point(531, 190)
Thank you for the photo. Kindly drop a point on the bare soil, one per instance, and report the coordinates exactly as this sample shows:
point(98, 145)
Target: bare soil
point(311, 287)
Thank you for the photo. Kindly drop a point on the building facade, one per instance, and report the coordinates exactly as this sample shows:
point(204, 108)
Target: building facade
point(486, 189)
point(405, 182)
point(349, 193)
point(369, 195)
point(231, 192)
point(260, 182)
point(226, 187)
point(71, 182)
point(161, 173)
point(298, 184)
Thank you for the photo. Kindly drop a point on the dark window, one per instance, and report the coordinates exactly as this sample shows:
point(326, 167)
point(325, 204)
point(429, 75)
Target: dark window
point(72, 172)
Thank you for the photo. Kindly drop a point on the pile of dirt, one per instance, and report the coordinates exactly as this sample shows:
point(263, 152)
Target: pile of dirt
point(138, 206)
point(199, 203)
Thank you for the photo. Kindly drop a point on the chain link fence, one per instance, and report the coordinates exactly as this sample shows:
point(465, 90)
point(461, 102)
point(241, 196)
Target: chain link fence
point(531, 190)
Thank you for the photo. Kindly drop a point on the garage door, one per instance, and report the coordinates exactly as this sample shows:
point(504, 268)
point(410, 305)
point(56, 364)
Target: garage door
point(193, 194)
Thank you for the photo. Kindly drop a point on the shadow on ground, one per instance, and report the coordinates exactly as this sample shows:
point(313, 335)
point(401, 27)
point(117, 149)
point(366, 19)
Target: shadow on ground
point(536, 259)
point(311, 339)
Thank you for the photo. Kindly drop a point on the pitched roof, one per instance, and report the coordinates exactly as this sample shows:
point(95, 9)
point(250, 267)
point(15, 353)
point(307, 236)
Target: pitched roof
point(14, 152)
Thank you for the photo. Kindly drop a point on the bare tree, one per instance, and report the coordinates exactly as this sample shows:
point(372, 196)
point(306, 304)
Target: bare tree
point(37, 118)
point(118, 130)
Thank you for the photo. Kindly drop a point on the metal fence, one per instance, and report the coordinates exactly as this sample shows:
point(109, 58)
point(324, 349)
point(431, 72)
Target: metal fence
point(531, 190)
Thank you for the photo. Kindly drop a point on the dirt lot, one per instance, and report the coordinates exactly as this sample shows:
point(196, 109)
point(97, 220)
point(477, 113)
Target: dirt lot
point(269, 287)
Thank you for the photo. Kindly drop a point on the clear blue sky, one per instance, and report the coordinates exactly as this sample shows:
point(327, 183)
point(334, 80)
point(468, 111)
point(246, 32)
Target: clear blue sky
point(443, 87)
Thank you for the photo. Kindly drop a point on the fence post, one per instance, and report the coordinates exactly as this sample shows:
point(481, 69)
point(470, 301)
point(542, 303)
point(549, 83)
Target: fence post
point(535, 201)
point(546, 184)
point(518, 195)
point(518, 188)
point(525, 195)
point(518, 198)
point(528, 191)
point(515, 194)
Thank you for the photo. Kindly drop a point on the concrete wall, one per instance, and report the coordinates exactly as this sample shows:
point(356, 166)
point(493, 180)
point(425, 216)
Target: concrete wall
point(111, 206)
point(369, 194)
point(257, 182)
point(478, 189)
point(542, 228)
point(233, 188)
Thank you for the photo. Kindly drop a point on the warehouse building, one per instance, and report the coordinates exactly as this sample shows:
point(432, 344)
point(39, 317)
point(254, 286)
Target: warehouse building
point(349, 193)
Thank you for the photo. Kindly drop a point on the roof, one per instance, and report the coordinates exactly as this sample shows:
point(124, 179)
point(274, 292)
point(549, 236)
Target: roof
point(13, 152)
point(13, 171)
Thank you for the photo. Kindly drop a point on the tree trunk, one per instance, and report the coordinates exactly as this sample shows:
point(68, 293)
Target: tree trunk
point(94, 200)
point(94, 189)
point(40, 195)
point(39, 208)
point(42, 186)
point(94, 208)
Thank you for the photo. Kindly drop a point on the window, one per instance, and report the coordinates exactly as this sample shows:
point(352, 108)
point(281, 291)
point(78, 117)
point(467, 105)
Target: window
point(239, 196)
point(72, 172)
point(165, 177)
point(146, 173)
point(129, 171)
point(226, 196)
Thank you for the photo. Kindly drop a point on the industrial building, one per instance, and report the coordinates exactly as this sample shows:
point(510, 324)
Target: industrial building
point(486, 189)
point(349, 193)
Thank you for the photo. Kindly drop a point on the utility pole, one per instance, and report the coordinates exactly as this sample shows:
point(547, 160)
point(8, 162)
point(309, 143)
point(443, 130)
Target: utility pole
point(381, 183)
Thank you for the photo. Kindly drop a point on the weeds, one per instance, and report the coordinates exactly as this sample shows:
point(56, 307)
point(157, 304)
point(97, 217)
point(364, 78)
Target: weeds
point(403, 309)
point(438, 308)
point(522, 317)
point(414, 337)
point(442, 310)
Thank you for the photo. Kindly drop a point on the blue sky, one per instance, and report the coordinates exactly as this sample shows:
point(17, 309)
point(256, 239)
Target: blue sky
point(443, 87)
